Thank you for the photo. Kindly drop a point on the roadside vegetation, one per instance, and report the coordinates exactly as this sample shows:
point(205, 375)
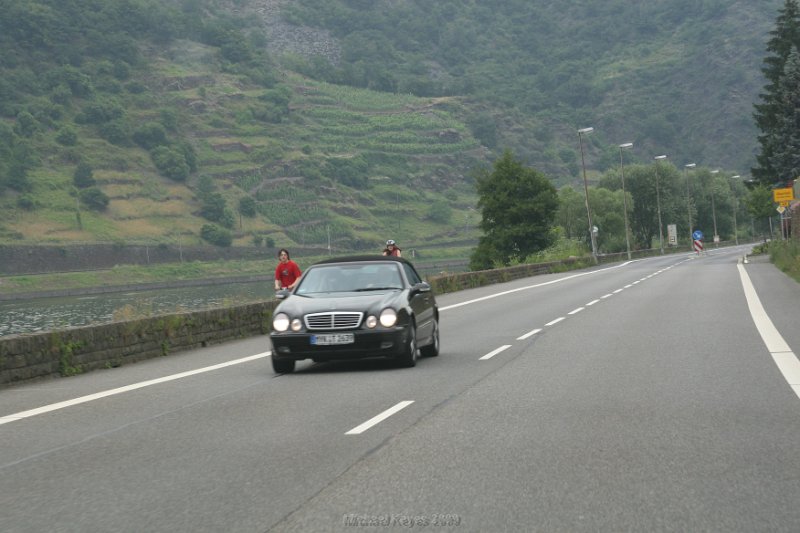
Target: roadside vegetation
point(786, 256)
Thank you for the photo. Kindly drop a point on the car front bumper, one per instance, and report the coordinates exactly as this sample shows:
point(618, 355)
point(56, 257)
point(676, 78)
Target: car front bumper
point(367, 343)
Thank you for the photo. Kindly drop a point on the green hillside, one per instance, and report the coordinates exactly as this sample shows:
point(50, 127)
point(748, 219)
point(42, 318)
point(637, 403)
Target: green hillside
point(345, 121)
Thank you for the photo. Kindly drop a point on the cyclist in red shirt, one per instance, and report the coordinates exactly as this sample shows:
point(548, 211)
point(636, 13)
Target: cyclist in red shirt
point(287, 273)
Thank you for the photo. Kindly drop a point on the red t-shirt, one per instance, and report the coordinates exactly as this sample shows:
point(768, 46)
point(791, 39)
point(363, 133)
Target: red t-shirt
point(287, 273)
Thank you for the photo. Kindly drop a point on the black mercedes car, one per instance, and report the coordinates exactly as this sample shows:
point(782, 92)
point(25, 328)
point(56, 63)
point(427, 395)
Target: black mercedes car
point(356, 307)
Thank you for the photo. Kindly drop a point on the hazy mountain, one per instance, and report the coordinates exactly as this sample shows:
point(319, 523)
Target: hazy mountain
point(308, 120)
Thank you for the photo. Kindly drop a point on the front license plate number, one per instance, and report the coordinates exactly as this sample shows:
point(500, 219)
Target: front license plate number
point(334, 338)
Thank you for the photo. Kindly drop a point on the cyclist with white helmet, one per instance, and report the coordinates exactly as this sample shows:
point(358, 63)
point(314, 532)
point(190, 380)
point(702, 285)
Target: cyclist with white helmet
point(392, 249)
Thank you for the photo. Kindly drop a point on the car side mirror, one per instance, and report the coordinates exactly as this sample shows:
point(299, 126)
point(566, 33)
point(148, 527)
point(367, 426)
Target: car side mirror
point(422, 286)
point(282, 294)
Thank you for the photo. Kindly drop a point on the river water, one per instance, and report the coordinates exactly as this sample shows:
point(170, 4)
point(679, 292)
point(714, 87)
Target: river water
point(47, 314)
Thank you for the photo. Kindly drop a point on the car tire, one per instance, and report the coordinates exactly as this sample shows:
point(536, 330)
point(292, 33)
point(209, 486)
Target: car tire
point(432, 349)
point(409, 357)
point(282, 366)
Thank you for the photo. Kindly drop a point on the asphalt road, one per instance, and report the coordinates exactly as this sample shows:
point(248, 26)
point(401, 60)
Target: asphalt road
point(635, 397)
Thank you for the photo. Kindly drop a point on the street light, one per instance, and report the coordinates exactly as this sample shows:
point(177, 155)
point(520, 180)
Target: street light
point(586, 193)
point(735, 230)
point(688, 204)
point(625, 198)
point(658, 204)
point(713, 210)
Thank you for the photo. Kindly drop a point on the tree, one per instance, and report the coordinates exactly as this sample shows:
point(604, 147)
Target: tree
point(94, 198)
point(784, 37)
point(247, 206)
point(216, 235)
point(170, 163)
point(82, 177)
point(759, 203)
point(518, 206)
point(785, 139)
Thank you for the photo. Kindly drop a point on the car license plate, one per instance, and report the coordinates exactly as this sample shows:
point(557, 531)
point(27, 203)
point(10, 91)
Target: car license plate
point(333, 338)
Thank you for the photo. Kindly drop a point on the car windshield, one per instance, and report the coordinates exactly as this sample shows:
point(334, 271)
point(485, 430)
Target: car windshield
point(358, 277)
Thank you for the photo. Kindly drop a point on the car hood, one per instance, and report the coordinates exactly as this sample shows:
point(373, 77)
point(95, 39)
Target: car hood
point(370, 302)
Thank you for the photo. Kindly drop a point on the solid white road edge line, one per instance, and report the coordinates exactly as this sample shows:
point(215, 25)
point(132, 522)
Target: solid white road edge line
point(380, 418)
point(126, 388)
point(496, 295)
point(780, 351)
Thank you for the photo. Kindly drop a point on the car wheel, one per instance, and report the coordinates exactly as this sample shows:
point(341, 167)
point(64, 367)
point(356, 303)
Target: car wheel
point(432, 349)
point(282, 366)
point(409, 357)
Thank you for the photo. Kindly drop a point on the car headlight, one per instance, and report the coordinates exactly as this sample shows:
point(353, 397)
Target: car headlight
point(388, 317)
point(297, 325)
point(280, 322)
point(371, 321)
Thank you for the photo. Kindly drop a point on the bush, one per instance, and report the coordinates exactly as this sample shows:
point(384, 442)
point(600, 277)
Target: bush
point(26, 202)
point(94, 198)
point(170, 163)
point(82, 177)
point(150, 135)
point(216, 235)
point(116, 132)
point(67, 136)
point(247, 206)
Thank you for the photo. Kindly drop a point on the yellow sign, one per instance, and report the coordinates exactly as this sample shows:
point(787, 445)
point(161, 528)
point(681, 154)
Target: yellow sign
point(783, 195)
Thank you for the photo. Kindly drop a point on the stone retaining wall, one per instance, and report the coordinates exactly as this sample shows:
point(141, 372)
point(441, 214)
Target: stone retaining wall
point(78, 350)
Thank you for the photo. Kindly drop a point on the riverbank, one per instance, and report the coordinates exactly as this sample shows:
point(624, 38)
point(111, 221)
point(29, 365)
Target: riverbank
point(129, 278)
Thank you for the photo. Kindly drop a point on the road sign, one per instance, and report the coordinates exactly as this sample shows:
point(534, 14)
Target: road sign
point(783, 195)
point(781, 209)
point(697, 235)
point(698, 245)
point(672, 234)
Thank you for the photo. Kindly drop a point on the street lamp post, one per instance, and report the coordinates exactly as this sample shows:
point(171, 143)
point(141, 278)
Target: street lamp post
point(688, 203)
point(658, 205)
point(586, 193)
point(625, 198)
point(735, 230)
point(713, 209)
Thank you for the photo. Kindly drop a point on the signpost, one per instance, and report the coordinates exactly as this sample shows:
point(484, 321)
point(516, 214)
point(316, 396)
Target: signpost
point(697, 235)
point(783, 197)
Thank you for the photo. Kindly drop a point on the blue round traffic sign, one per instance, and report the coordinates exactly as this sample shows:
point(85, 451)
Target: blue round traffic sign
point(697, 235)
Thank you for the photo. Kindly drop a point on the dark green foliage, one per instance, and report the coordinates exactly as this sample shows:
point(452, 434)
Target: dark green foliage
point(83, 175)
point(785, 138)
point(484, 129)
point(26, 202)
point(352, 171)
point(94, 198)
point(170, 163)
point(26, 124)
point(100, 112)
point(150, 135)
point(67, 136)
point(247, 206)
point(518, 206)
point(216, 235)
point(440, 212)
point(116, 132)
point(213, 207)
point(768, 113)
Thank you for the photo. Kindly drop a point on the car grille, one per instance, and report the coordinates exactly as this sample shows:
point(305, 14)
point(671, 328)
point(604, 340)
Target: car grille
point(333, 320)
